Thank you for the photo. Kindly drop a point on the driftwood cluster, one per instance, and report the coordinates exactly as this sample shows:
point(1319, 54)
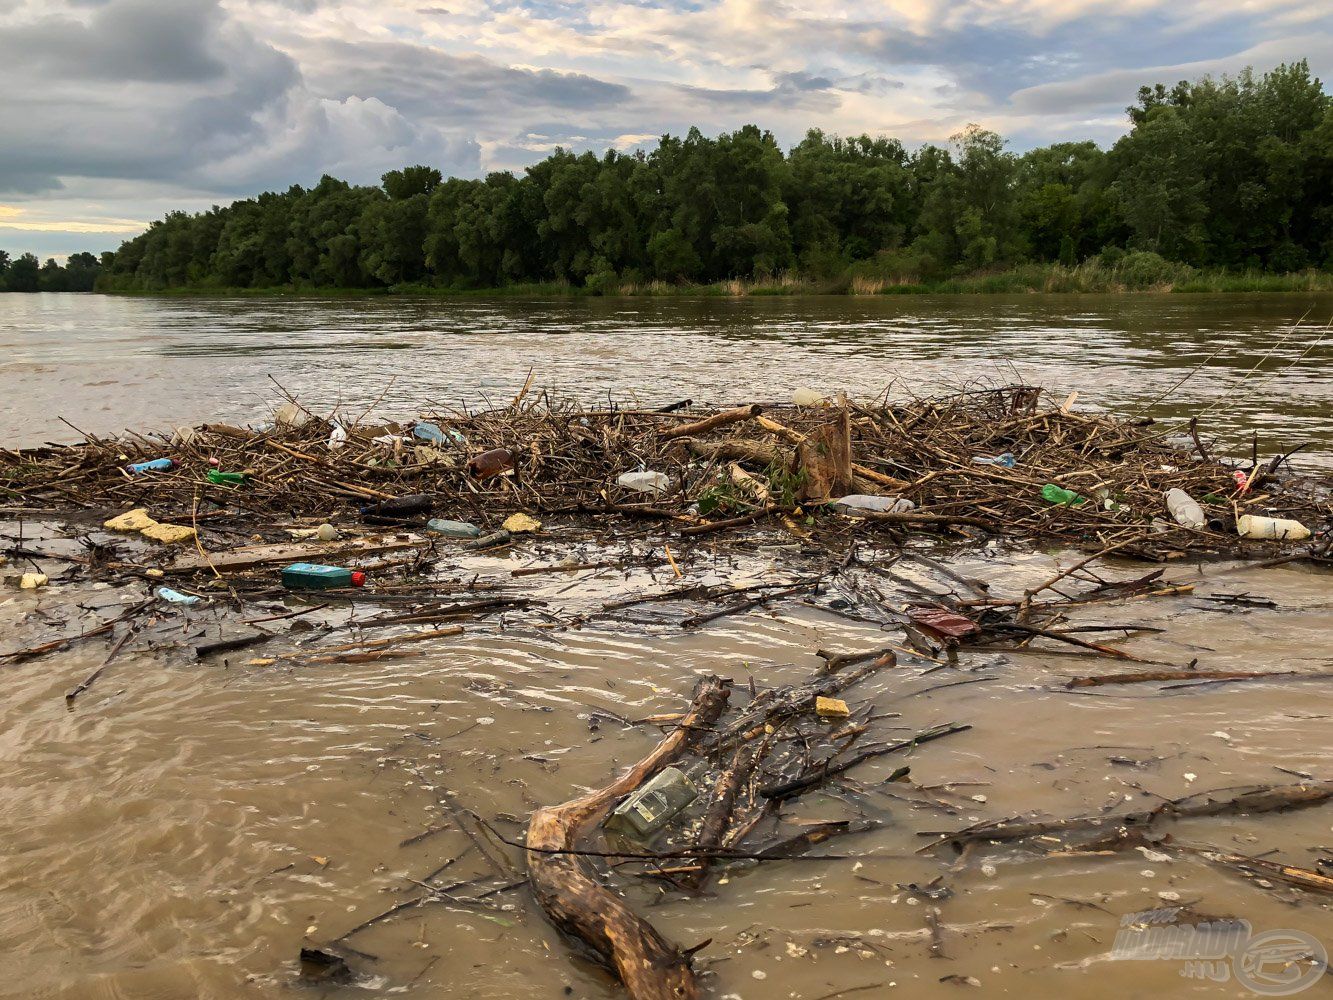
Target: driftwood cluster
point(729, 469)
point(736, 477)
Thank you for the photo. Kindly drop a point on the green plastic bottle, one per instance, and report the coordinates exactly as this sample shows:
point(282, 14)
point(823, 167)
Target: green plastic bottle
point(225, 478)
point(1055, 494)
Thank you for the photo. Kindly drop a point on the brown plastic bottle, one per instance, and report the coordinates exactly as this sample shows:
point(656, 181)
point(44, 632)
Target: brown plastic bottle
point(491, 463)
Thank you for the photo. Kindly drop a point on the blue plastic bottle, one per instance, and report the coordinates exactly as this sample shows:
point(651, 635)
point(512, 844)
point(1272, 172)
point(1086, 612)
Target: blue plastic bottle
point(156, 465)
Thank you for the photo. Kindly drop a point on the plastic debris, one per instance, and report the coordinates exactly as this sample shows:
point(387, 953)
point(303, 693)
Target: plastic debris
point(885, 505)
point(427, 455)
point(312, 576)
point(453, 529)
point(176, 597)
point(944, 622)
point(1056, 494)
point(651, 807)
point(155, 465)
point(426, 431)
point(1005, 460)
point(805, 396)
point(655, 483)
point(218, 478)
point(290, 415)
point(1185, 510)
point(324, 533)
point(488, 541)
point(491, 463)
point(1271, 528)
point(337, 437)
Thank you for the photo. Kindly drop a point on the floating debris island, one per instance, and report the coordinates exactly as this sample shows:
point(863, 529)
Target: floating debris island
point(319, 539)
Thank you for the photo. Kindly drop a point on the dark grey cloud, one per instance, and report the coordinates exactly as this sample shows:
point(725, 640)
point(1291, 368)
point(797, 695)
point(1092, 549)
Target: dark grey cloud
point(126, 41)
point(193, 99)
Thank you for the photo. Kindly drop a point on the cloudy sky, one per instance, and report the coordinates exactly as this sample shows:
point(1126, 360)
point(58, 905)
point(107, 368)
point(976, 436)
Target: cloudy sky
point(115, 111)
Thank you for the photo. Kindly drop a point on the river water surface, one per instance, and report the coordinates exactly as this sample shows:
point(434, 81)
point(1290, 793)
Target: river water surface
point(182, 829)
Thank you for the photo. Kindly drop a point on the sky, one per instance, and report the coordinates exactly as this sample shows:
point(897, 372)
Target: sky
point(117, 111)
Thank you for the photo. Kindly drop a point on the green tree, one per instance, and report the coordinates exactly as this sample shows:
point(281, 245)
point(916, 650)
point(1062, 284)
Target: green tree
point(23, 274)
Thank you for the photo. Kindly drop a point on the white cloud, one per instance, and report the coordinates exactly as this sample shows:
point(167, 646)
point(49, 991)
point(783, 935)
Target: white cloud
point(118, 109)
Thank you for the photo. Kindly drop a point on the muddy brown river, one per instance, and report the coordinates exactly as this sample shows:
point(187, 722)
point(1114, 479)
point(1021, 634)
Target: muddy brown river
point(185, 827)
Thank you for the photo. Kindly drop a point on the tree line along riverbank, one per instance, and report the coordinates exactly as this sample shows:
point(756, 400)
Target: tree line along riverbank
point(1219, 185)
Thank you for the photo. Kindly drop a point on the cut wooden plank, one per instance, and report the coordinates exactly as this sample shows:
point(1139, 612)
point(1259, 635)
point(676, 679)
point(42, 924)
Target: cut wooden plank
point(262, 555)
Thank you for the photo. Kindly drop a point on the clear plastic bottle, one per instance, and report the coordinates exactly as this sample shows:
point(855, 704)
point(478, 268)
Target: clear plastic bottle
point(651, 807)
point(1185, 510)
point(655, 483)
point(884, 505)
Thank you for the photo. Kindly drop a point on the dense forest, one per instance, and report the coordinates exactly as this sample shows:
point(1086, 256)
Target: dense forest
point(25, 273)
point(1229, 175)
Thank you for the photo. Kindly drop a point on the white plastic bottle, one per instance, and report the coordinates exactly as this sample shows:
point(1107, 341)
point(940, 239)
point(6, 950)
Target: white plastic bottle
point(1185, 510)
point(1271, 528)
point(883, 505)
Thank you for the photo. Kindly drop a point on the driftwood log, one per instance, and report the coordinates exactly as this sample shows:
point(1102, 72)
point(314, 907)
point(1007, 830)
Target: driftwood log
point(576, 902)
point(716, 420)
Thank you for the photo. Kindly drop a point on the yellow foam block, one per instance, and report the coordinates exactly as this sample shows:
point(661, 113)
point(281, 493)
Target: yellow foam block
point(831, 708)
point(518, 524)
point(168, 533)
point(131, 520)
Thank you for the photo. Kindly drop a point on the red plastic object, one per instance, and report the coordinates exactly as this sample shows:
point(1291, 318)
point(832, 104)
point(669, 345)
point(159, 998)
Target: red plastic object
point(944, 622)
point(358, 579)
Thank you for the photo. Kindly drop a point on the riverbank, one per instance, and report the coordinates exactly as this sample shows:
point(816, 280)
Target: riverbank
point(1132, 275)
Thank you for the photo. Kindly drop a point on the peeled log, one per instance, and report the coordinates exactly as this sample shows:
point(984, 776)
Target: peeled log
point(716, 420)
point(573, 899)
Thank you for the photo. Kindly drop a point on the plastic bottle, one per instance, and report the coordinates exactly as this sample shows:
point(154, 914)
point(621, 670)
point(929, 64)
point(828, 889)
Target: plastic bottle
point(453, 529)
point(1055, 494)
point(1006, 460)
point(176, 597)
point(495, 538)
point(650, 808)
point(399, 507)
point(426, 431)
point(885, 505)
point(1271, 528)
point(311, 576)
point(805, 396)
point(1184, 509)
point(156, 465)
point(491, 463)
point(218, 478)
point(655, 483)
point(337, 437)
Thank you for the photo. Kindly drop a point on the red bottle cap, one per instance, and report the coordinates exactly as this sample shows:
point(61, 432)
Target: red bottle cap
point(358, 579)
